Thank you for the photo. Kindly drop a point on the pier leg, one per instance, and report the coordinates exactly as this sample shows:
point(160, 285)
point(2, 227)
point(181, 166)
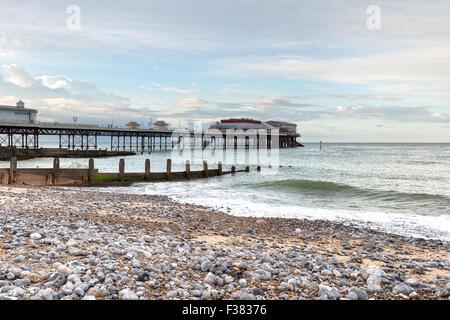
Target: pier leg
point(233, 169)
point(219, 168)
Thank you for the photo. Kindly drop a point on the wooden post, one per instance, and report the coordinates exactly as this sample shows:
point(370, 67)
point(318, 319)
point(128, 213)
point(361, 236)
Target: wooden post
point(49, 179)
point(91, 171)
point(188, 170)
point(247, 169)
point(147, 169)
point(5, 178)
point(258, 168)
point(205, 169)
point(121, 168)
point(12, 169)
point(55, 173)
point(233, 169)
point(219, 168)
point(169, 168)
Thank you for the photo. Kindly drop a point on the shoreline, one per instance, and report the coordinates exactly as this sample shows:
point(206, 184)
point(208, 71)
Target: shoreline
point(83, 244)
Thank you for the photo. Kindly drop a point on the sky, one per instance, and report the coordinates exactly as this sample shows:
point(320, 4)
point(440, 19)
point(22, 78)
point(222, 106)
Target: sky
point(342, 70)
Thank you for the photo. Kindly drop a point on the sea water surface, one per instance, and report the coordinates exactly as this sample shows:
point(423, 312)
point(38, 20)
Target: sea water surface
point(398, 188)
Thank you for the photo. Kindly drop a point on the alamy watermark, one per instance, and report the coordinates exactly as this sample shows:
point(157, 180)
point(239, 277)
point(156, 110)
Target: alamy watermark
point(258, 147)
point(74, 20)
point(373, 21)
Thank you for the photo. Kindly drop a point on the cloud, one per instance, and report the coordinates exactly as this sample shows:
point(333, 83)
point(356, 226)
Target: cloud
point(401, 114)
point(18, 76)
point(424, 65)
point(281, 102)
point(60, 98)
point(158, 87)
point(193, 102)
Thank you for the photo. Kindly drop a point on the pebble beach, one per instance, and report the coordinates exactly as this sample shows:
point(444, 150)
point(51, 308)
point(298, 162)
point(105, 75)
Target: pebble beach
point(83, 244)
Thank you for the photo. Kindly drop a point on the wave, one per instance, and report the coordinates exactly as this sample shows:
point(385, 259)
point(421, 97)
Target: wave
point(332, 189)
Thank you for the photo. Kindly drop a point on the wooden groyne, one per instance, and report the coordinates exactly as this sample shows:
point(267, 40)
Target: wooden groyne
point(91, 175)
point(6, 153)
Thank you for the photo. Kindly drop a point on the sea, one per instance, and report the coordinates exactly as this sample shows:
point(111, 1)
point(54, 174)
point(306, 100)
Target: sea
point(393, 187)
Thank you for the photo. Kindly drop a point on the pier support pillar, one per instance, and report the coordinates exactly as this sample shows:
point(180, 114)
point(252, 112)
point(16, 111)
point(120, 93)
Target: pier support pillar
point(247, 169)
point(219, 168)
point(233, 169)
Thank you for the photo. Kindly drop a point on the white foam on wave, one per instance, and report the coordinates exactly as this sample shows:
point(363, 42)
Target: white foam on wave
point(219, 197)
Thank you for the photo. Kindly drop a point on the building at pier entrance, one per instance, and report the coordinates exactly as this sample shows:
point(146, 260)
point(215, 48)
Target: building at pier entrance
point(17, 114)
point(287, 131)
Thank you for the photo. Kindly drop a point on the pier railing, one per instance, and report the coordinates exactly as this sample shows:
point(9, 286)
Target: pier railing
point(91, 175)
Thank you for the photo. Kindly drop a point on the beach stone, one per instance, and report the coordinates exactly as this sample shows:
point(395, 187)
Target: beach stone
point(210, 278)
point(206, 294)
point(362, 295)
point(243, 283)
point(47, 294)
point(34, 277)
point(80, 292)
point(35, 236)
point(22, 282)
point(18, 259)
point(97, 293)
point(144, 276)
point(205, 266)
point(228, 279)
point(126, 294)
point(196, 293)
point(242, 265)
point(10, 276)
point(412, 282)
point(246, 296)
point(352, 296)
point(89, 298)
point(402, 288)
point(76, 252)
point(330, 293)
point(63, 269)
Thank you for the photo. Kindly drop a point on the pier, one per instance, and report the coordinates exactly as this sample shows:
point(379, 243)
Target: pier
point(84, 137)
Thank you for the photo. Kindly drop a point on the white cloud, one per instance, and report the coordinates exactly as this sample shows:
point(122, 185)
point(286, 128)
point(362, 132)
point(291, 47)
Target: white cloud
point(159, 87)
point(425, 65)
point(18, 76)
point(193, 102)
point(55, 82)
